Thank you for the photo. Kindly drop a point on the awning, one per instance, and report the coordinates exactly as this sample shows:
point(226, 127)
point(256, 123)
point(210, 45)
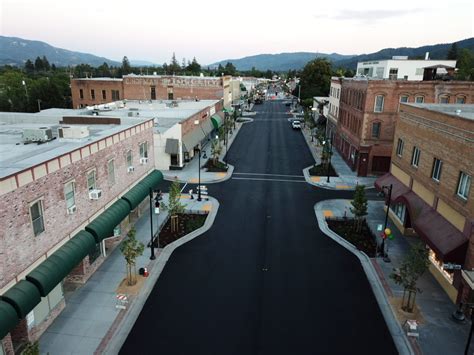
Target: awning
point(415, 204)
point(398, 188)
point(8, 318)
point(54, 269)
point(172, 146)
point(207, 126)
point(140, 191)
point(103, 226)
point(216, 121)
point(446, 240)
point(192, 139)
point(24, 296)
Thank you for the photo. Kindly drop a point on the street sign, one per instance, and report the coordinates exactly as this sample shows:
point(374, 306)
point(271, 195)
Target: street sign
point(451, 266)
point(379, 227)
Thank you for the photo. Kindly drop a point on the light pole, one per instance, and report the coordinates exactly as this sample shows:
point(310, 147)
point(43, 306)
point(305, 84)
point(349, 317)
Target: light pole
point(329, 157)
point(382, 247)
point(196, 122)
point(152, 246)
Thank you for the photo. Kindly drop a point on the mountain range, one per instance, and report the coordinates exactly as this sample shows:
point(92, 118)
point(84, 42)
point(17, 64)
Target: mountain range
point(16, 51)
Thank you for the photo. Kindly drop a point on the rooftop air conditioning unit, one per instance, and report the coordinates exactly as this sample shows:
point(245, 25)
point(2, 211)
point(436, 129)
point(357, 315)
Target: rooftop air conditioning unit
point(143, 161)
point(71, 210)
point(95, 194)
point(130, 169)
point(41, 134)
point(73, 132)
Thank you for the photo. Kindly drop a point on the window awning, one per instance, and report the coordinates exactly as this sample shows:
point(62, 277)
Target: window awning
point(8, 318)
point(103, 226)
point(217, 121)
point(24, 296)
point(192, 139)
point(445, 239)
point(398, 188)
point(54, 269)
point(172, 146)
point(140, 191)
point(207, 126)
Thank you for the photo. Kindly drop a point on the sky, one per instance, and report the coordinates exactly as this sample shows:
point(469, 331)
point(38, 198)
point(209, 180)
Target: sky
point(214, 30)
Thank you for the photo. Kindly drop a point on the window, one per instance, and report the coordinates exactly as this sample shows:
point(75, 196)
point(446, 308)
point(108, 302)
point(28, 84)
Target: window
point(436, 172)
point(444, 99)
point(69, 194)
point(464, 185)
point(376, 130)
point(36, 213)
point(419, 99)
point(144, 150)
point(399, 210)
point(404, 98)
point(153, 93)
point(91, 180)
point(393, 73)
point(104, 95)
point(460, 100)
point(81, 93)
point(111, 171)
point(129, 158)
point(92, 94)
point(400, 147)
point(415, 158)
point(378, 103)
point(115, 95)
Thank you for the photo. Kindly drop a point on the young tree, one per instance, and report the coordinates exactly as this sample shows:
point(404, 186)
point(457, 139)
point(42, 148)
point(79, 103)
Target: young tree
point(216, 150)
point(174, 205)
point(359, 206)
point(131, 249)
point(414, 265)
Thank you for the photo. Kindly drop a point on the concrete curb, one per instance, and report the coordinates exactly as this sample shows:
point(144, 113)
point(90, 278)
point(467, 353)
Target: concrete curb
point(399, 338)
point(325, 185)
point(229, 173)
point(156, 267)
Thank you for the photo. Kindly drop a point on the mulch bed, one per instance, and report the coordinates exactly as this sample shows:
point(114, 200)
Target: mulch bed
point(187, 223)
point(218, 167)
point(322, 170)
point(363, 240)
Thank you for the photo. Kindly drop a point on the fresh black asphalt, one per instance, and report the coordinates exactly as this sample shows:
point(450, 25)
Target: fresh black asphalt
point(264, 279)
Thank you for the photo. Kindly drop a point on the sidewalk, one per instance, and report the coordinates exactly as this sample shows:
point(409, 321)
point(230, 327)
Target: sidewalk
point(90, 320)
point(347, 178)
point(189, 174)
point(438, 333)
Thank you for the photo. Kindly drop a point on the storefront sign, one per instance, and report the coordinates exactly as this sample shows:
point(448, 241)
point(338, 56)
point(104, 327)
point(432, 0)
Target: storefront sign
point(451, 266)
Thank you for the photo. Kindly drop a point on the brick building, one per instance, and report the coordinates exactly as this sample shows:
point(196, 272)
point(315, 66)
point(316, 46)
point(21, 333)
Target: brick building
point(95, 91)
point(368, 110)
point(431, 175)
point(70, 187)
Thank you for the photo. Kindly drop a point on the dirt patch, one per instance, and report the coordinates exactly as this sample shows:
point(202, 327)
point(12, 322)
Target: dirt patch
point(363, 240)
point(402, 316)
point(187, 223)
point(215, 167)
point(322, 170)
point(131, 290)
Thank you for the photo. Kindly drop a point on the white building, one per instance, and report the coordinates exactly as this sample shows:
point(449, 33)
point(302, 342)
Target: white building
point(400, 67)
point(333, 107)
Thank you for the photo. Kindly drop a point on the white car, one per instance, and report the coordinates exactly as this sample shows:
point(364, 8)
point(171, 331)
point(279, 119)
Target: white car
point(296, 125)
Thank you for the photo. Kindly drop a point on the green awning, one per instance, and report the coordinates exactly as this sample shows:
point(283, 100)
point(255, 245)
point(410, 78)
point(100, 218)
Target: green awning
point(216, 121)
point(8, 318)
point(152, 180)
point(54, 269)
point(103, 226)
point(140, 191)
point(24, 296)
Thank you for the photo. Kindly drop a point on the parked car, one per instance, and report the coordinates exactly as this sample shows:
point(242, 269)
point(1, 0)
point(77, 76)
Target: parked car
point(296, 125)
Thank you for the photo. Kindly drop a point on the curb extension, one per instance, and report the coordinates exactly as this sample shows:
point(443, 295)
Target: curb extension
point(156, 268)
point(399, 338)
point(230, 171)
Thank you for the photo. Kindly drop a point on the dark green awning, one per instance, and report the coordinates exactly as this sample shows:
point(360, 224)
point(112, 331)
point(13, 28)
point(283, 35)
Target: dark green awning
point(54, 269)
point(103, 226)
point(216, 121)
point(24, 296)
point(8, 318)
point(136, 195)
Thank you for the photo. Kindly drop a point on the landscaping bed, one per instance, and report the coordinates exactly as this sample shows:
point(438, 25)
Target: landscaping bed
point(187, 222)
point(322, 170)
point(363, 240)
point(215, 167)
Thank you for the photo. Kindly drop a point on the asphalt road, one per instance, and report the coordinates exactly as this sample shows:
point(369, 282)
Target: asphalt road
point(263, 279)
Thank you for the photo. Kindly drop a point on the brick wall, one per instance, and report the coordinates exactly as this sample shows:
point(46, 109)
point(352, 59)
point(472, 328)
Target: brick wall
point(16, 232)
point(7, 345)
point(97, 85)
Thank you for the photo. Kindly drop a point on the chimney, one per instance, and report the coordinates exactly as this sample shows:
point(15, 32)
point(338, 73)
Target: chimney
point(427, 56)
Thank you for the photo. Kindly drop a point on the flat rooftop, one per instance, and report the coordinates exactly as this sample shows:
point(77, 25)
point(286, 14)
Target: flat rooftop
point(16, 156)
point(100, 79)
point(458, 110)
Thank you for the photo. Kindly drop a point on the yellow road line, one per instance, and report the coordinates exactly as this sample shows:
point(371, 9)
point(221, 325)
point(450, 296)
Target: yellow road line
point(328, 213)
point(207, 207)
point(315, 178)
point(193, 181)
point(221, 175)
point(342, 187)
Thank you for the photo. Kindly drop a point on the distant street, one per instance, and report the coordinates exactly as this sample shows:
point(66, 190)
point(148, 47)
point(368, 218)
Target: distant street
point(264, 279)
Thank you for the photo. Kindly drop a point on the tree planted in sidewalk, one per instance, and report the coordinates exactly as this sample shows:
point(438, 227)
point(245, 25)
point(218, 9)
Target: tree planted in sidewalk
point(174, 205)
point(131, 249)
point(413, 266)
point(216, 150)
point(359, 206)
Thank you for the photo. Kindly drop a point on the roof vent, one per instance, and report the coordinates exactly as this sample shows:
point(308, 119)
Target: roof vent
point(73, 132)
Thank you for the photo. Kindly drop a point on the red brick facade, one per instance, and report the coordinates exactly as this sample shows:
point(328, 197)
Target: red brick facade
point(364, 137)
point(149, 87)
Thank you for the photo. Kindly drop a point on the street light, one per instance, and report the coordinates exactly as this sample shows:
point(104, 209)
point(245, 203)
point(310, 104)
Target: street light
point(196, 122)
point(328, 146)
point(152, 246)
point(384, 254)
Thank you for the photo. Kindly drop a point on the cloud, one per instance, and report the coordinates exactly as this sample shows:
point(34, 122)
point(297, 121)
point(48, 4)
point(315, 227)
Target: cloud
point(367, 16)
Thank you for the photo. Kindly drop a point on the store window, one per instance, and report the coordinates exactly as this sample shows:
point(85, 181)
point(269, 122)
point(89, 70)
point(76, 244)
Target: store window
point(438, 263)
point(399, 210)
point(36, 213)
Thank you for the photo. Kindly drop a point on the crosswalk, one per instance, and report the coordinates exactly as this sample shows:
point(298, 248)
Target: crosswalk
point(269, 177)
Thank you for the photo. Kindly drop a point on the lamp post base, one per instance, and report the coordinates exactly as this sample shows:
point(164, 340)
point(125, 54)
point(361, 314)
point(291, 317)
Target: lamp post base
point(153, 257)
point(386, 259)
